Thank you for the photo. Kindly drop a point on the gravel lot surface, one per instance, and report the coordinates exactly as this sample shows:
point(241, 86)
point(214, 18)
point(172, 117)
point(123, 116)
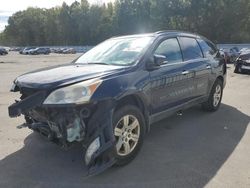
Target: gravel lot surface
point(197, 149)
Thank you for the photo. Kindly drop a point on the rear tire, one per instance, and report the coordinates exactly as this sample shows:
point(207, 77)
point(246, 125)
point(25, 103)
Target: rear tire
point(214, 100)
point(129, 130)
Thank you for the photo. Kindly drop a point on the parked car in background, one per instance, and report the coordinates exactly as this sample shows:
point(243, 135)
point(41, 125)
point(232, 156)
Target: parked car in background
point(232, 54)
point(235, 50)
point(245, 50)
point(53, 50)
point(26, 50)
point(40, 50)
point(108, 98)
point(69, 51)
point(64, 50)
point(225, 56)
point(16, 49)
point(3, 51)
point(242, 64)
point(59, 50)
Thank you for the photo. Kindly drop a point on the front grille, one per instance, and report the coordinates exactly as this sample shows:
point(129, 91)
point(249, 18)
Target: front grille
point(246, 63)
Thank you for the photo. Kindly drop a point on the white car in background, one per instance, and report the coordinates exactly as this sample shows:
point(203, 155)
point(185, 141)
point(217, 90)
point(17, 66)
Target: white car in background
point(245, 50)
point(26, 50)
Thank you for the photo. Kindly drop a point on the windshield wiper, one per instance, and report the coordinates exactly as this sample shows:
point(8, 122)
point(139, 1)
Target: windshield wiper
point(99, 63)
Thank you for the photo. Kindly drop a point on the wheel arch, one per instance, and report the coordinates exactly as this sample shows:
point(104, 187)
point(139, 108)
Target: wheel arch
point(139, 102)
point(221, 78)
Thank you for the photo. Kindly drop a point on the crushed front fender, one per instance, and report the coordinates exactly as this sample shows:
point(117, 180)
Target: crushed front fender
point(100, 125)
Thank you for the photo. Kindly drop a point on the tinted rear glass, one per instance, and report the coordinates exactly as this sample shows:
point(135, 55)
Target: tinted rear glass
point(209, 50)
point(190, 48)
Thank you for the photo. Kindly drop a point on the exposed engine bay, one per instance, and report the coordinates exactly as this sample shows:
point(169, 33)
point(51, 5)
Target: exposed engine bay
point(89, 124)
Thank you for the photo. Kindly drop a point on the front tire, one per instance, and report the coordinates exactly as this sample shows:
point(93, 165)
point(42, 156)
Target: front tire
point(214, 100)
point(129, 130)
point(238, 69)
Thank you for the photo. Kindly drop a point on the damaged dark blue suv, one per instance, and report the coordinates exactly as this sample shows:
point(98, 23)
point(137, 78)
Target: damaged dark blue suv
point(108, 98)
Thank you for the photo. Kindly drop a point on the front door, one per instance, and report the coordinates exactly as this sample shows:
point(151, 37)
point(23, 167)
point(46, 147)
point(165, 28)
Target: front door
point(172, 83)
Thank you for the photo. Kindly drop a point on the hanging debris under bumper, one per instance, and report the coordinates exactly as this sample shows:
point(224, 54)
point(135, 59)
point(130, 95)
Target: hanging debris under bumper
point(89, 124)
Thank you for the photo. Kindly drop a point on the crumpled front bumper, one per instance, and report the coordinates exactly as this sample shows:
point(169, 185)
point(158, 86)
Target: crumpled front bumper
point(23, 106)
point(97, 124)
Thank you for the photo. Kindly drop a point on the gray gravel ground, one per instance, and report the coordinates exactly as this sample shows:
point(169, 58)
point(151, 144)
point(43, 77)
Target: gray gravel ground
point(197, 149)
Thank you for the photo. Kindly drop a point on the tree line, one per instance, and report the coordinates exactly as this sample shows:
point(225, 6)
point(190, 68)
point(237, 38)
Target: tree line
point(223, 21)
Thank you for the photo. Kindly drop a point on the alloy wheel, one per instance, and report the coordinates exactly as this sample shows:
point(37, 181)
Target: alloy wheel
point(127, 133)
point(217, 95)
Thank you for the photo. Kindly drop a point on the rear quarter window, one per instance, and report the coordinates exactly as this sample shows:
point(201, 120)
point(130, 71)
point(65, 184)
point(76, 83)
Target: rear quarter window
point(190, 48)
point(209, 50)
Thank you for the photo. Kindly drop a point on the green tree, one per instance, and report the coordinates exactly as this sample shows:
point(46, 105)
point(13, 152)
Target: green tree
point(223, 21)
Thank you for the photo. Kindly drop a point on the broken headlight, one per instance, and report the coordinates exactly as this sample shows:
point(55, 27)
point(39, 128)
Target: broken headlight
point(76, 93)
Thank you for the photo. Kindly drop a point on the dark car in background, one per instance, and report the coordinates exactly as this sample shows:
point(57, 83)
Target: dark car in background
point(40, 50)
point(58, 50)
point(231, 54)
point(109, 97)
point(225, 56)
point(3, 51)
point(242, 63)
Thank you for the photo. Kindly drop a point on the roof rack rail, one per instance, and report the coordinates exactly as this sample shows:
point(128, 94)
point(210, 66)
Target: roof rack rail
point(165, 31)
point(173, 31)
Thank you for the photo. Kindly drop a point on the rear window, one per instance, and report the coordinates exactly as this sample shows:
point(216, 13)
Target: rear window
point(209, 50)
point(190, 48)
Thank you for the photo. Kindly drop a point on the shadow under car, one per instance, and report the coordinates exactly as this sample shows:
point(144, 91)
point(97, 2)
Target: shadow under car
point(180, 151)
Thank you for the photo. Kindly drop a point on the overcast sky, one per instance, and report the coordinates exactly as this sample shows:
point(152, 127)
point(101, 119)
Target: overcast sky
point(8, 7)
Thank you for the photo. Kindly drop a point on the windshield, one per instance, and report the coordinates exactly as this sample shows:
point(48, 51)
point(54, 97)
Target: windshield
point(116, 51)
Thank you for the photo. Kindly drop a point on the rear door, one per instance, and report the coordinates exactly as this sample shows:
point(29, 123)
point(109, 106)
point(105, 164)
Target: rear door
point(196, 62)
point(204, 73)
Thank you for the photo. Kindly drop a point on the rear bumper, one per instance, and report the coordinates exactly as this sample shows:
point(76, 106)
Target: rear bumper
point(54, 122)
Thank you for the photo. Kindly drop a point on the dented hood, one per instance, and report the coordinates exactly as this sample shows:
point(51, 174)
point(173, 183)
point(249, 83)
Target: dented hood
point(64, 74)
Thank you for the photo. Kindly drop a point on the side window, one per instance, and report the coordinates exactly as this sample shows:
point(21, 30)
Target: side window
point(170, 49)
point(190, 48)
point(209, 50)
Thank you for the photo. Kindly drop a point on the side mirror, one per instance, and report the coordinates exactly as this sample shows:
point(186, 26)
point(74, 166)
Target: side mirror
point(155, 61)
point(160, 60)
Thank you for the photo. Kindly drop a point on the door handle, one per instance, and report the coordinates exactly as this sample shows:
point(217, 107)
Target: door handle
point(185, 72)
point(208, 67)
